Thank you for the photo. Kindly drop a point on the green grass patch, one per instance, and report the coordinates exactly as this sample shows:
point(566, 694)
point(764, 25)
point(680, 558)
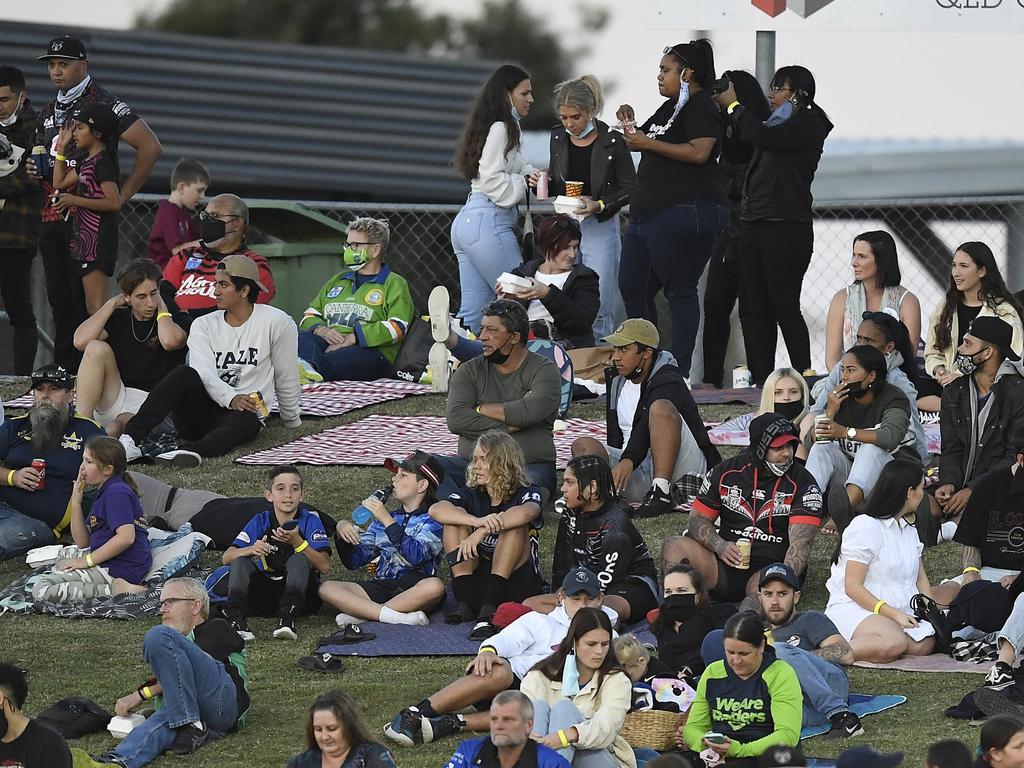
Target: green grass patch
point(102, 659)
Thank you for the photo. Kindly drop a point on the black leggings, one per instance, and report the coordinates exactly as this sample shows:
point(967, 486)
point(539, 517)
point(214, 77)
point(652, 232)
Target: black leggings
point(16, 289)
point(204, 426)
point(720, 294)
point(774, 259)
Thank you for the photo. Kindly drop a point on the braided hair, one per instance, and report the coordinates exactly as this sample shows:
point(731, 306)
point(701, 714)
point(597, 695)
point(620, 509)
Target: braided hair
point(593, 469)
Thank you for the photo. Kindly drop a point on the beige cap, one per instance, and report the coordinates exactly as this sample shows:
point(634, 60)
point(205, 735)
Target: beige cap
point(240, 265)
point(635, 330)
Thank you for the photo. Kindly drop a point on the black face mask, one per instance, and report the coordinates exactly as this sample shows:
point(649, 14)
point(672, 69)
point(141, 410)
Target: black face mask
point(4, 725)
point(789, 410)
point(497, 357)
point(857, 389)
point(679, 607)
point(211, 230)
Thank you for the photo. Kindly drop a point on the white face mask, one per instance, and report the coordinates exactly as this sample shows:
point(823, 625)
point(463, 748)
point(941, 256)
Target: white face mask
point(7, 122)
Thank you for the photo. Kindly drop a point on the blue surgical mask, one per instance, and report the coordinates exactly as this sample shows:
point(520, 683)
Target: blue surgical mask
point(515, 115)
point(570, 676)
point(781, 114)
point(586, 131)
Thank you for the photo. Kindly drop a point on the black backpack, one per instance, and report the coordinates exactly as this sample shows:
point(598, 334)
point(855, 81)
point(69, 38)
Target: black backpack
point(414, 354)
point(75, 716)
point(984, 605)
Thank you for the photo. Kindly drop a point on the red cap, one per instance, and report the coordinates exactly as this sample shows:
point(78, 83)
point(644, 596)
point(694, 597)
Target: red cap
point(782, 440)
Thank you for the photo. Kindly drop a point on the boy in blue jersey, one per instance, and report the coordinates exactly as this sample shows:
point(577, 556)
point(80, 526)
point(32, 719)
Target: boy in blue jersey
point(277, 559)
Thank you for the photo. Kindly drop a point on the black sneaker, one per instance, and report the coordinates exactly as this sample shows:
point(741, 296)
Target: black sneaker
point(482, 630)
point(188, 739)
point(655, 503)
point(407, 727)
point(240, 623)
point(997, 703)
point(460, 615)
point(999, 677)
point(109, 758)
point(435, 728)
point(844, 726)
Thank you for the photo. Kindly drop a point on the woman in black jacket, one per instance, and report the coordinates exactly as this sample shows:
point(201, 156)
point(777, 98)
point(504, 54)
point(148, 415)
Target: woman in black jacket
point(679, 206)
point(563, 298)
point(776, 236)
point(584, 149)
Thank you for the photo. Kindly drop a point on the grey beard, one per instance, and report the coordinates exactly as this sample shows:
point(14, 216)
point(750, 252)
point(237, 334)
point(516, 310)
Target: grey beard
point(48, 426)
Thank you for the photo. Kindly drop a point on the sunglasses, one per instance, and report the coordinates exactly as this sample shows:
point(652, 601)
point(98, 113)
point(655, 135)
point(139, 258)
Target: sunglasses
point(674, 50)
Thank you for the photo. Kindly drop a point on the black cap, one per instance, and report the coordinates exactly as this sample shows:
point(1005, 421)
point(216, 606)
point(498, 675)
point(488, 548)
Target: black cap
point(781, 756)
point(581, 579)
point(420, 463)
point(65, 47)
point(771, 430)
point(859, 757)
point(994, 331)
point(53, 373)
point(780, 572)
point(99, 116)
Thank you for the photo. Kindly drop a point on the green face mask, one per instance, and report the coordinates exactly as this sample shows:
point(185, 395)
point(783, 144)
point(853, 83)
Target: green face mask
point(354, 258)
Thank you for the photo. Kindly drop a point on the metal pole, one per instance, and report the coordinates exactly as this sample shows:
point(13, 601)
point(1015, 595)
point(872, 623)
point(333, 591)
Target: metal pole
point(765, 58)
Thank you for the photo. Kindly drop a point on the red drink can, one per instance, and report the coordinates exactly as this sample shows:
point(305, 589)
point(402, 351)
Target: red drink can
point(39, 465)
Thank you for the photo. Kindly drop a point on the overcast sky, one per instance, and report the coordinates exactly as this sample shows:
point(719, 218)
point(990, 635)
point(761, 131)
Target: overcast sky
point(877, 86)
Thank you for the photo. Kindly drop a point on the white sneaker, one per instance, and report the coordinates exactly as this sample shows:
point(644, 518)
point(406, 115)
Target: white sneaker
point(180, 458)
point(437, 306)
point(308, 374)
point(131, 450)
point(439, 368)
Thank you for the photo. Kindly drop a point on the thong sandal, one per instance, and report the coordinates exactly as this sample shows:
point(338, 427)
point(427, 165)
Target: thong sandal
point(322, 662)
point(351, 633)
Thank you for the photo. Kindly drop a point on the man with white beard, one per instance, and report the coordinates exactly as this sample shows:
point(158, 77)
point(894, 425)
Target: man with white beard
point(34, 504)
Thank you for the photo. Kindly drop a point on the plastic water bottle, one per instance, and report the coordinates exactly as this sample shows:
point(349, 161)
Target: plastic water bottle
point(361, 515)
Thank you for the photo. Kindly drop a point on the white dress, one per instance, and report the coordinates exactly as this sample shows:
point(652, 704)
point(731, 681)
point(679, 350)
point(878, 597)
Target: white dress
point(892, 552)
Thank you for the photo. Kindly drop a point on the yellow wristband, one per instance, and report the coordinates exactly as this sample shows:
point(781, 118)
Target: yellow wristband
point(732, 106)
point(477, 409)
point(600, 205)
point(563, 738)
point(88, 560)
point(878, 606)
point(489, 649)
point(60, 158)
point(146, 692)
point(301, 547)
point(971, 569)
point(10, 477)
point(162, 314)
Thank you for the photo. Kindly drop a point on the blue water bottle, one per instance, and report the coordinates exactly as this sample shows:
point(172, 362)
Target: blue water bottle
point(361, 515)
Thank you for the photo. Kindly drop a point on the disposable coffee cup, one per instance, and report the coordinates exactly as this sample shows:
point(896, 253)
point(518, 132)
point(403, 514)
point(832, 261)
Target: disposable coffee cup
point(573, 188)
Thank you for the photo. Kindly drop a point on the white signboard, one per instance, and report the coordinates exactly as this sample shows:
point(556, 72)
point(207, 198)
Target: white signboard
point(839, 15)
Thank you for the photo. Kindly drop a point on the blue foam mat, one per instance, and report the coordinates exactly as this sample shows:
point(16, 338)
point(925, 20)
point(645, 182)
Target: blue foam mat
point(862, 704)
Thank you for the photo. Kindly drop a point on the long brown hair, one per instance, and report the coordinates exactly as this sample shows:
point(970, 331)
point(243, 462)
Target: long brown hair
point(585, 620)
point(108, 452)
point(492, 105)
point(345, 708)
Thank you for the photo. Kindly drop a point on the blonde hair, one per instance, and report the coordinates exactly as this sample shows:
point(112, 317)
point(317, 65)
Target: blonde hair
point(505, 463)
point(377, 230)
point(768, 391)
point(583, 93)
point(109, 452)
point(632, 655)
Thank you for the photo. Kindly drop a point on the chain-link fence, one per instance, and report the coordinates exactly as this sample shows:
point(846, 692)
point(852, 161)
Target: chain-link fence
point(926, 231)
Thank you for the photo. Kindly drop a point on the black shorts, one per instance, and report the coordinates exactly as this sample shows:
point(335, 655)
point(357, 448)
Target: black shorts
point(523, 582)
point(106, 261)
point(732, 582)
point(637, 593)
point(382, 590)
point(485, 704)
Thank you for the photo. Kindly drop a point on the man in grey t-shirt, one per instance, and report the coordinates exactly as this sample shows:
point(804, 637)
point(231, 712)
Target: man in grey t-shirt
point(810, 643)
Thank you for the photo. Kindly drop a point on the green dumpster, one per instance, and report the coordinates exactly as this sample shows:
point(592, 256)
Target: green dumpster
point(302, 245)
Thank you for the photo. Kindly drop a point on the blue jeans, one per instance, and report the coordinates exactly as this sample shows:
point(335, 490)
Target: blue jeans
point(195, 687)
point(827, 463)
point(667, 251)
point(347, 363)
point(601, 249)
point(825, 686)
point(564, 714)
point(466, 349)
point(19, 533)
point(542, 473)
point(485, 246)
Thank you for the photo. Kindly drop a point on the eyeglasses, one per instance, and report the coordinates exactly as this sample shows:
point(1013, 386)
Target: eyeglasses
point(358, 245)
point(207, 216)
point(779, 88)
point(172, 600)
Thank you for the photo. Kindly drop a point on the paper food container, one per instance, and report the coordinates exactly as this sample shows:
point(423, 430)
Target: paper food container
point(512, 283)
point(567, 205)
point(120, 727)
point(40, 556)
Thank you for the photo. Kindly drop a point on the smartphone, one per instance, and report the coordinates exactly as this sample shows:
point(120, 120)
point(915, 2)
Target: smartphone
point(715, 738)
point(290, 525)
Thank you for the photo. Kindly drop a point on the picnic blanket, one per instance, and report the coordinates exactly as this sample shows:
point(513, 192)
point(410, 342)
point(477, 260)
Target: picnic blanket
point(862, 704)
point(736, 432)
point(748, 395)
point(370, 440)
point(327, 398)
point(936, 662)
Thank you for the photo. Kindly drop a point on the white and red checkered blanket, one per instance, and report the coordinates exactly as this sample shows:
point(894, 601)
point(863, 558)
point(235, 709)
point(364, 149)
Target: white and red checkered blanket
point(328, 398)
point(371, 440)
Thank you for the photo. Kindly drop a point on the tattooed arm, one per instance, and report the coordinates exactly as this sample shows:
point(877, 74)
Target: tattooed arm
point(836, 650)
point(702, 530)
point(801, 537)
point(972, 559)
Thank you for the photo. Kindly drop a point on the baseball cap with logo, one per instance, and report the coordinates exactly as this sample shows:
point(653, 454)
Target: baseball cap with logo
point(240, 265)
point(780, 572)
point(99, 116)
point(781, 756)
point(65, 47)
point(581, 579)
point(53, 373)
point(419, 463)
point(636, 330)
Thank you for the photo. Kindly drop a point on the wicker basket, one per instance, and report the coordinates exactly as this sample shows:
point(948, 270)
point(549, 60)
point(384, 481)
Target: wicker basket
point(653, 729)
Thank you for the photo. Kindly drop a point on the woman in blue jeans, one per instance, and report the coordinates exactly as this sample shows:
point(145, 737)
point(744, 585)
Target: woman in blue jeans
point(490, 157)
point(679, 206)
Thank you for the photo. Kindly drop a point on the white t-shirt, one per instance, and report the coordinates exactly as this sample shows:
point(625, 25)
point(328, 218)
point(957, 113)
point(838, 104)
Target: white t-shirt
point(537, 310)
point(625, 409)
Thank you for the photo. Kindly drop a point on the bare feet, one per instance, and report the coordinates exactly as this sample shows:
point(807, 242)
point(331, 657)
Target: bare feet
point(120, 586)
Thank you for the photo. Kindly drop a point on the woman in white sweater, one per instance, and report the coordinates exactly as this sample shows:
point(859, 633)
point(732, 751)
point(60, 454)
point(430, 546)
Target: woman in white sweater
point(490, 157)
point(581, 696)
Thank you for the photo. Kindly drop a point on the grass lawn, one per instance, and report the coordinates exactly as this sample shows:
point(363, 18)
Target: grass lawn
point(102, 659)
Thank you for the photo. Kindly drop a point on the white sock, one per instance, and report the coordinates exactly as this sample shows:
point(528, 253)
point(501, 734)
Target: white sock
point(661, 484)
point(948, 530)
point(343, 619)
point(198, 724)
point(391, 616)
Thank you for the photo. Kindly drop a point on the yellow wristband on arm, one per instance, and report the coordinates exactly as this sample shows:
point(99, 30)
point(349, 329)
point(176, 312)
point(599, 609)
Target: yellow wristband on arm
point(301, 547)
point(60, 158)
point(971, 569)
point(10, 477)
point(563, 738)
point(88, 560)
point(878, 606)
point(489, 649)
point(147, 693)
point(732, 106)
point(160, 315)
